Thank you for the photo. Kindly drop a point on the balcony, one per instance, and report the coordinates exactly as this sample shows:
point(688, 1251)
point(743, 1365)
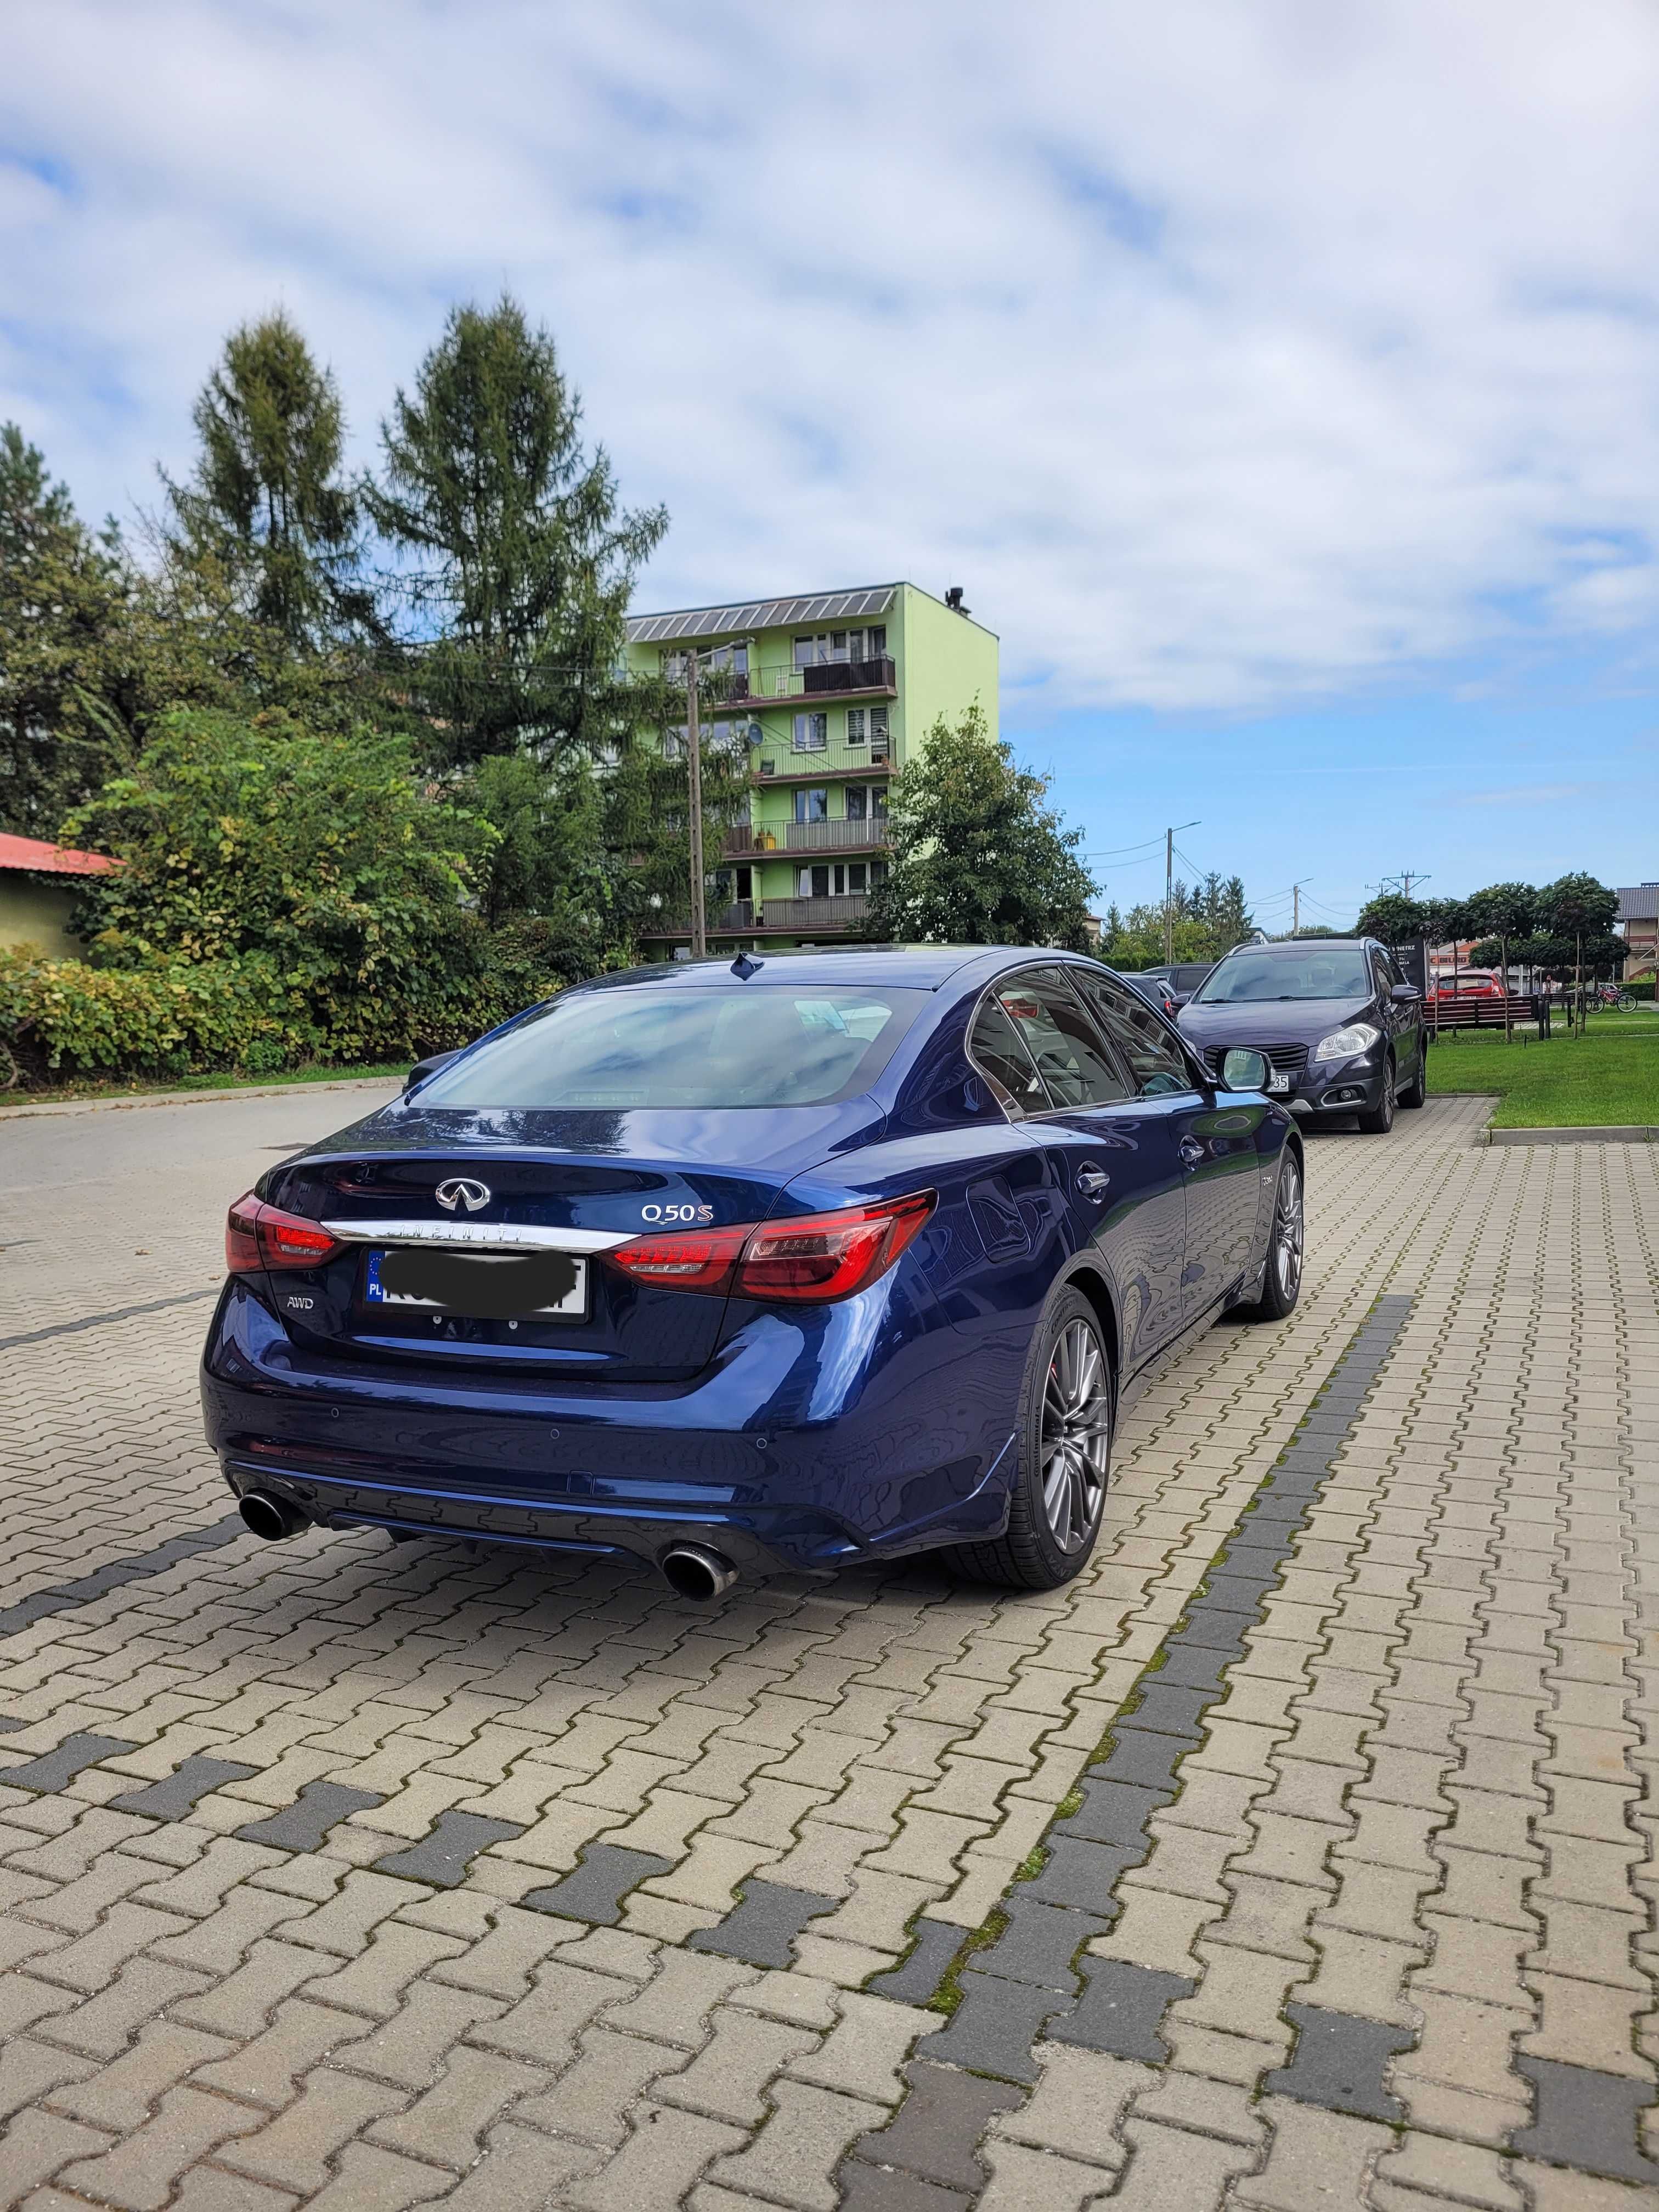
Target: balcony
point(791, 914)
point(773, 917)
point(837, 837)
point(787, 766)
point(820, 679)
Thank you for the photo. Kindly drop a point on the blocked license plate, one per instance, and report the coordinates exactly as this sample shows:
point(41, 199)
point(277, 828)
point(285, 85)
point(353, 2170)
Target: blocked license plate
point(479, 1286)
point(1277, 1081)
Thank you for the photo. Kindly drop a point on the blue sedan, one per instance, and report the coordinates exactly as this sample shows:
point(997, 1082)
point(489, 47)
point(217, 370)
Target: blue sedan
point(821, 1258)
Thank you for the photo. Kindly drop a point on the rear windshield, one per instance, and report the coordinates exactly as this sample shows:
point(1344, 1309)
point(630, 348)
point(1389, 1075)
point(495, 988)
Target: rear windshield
point(685, 1047)
point(1335, 971)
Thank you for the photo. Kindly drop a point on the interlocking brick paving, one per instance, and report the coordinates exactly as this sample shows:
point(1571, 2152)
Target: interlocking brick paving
point(1299, 1856)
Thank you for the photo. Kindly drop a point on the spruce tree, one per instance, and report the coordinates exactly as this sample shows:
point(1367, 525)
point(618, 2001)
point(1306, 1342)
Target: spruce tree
point(62, 593)
point(267, 509)
point(515, 556)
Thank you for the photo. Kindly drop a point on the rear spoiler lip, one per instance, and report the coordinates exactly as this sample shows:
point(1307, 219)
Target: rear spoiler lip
point(479, 1236)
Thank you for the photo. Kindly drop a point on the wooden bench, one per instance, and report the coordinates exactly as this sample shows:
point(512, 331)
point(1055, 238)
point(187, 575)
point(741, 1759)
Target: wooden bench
point(1469, 1011)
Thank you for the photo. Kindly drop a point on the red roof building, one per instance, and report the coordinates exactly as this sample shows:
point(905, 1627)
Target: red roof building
point(38, 891)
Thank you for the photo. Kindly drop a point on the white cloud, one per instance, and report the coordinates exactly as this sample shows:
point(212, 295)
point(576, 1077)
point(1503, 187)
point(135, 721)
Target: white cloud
point(1229, 356)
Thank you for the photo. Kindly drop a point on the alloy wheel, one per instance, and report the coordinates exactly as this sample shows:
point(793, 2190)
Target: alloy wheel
point(1288, 1230)
point(1076, 1435)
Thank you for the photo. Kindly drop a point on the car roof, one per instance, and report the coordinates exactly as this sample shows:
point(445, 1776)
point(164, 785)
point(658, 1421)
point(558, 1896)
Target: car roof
point(902, 967)
point(1287, 945)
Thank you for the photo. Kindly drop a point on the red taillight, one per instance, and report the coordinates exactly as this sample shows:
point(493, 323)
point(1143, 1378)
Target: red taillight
point(684, 1260)
point(260, 1236)
point(242, 1236)
point(813, 1256)
point(829, 1255)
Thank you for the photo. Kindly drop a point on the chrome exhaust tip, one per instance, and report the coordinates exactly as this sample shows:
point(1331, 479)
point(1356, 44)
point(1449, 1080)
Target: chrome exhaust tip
point(272, 1518)
point(694, 1572)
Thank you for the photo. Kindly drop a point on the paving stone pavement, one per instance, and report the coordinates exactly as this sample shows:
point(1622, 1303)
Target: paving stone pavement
point(1300, 1854)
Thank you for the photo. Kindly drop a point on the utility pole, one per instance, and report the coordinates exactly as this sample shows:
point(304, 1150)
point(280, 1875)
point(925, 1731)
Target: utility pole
point(1168, 890)
point(694, 766)
point(1295, 906)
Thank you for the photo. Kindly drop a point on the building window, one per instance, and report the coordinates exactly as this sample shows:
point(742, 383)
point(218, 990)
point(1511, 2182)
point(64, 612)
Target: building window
point(812, 734)
point(858, 802)
point(711, 660)
point(811, 806)
point(841, 645)
point(835, 880)
point(674, 742)
point(857, 728)
point(879, 727)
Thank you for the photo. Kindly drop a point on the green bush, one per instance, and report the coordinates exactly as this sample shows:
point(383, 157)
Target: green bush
point(1644, 989)
point(67, 1018)
point(64, 1015)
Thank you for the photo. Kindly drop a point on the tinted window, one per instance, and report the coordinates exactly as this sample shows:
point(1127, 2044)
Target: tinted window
point(996, 1048)
point(1060, 1039)
point(1153, 1057)
point(1319, 971)
point(759, 1046)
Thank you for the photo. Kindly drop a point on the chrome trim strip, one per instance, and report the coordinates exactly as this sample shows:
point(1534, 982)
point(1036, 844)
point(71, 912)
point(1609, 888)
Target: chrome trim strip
point(481, 1235)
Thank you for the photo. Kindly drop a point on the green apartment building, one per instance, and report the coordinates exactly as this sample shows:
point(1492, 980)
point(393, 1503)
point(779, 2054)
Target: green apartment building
point(832, 692)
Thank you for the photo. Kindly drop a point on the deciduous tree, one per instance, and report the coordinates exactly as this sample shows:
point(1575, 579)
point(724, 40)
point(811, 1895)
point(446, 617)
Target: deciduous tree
point(978, 856)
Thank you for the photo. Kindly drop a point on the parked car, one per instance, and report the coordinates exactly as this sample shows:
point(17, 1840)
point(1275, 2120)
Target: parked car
point(1179, 981)
point(795, 1262)
point(1155, 991)
point(1470, 984)
point(1340, 1027)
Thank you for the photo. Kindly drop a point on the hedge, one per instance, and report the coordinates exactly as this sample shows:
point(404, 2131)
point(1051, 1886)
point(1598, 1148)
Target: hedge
point(180, 1018)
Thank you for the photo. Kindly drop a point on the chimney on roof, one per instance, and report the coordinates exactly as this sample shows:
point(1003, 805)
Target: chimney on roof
point(953, 601)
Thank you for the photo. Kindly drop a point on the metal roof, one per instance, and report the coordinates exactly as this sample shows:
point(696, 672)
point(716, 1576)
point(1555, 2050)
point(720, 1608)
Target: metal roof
point(1639, 903)
point(40, 858)
point(759, 613)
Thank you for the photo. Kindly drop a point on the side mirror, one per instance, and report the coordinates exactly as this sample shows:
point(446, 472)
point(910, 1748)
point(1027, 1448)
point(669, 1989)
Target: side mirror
point(1241, 1069)
point(1406, 994)
point(430, 1066)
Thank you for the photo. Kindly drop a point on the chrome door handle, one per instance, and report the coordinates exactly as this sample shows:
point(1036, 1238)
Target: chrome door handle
point(1191, 1151)
point(1091, 1182)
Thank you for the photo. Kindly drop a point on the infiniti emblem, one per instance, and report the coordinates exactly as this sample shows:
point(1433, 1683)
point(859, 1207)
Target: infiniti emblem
point(461, 1190)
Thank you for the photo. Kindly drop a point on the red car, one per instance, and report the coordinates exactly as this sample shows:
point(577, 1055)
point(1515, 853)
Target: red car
point(1469, 985)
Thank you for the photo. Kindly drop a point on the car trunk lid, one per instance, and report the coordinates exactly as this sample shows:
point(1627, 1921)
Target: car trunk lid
point(460, 1243)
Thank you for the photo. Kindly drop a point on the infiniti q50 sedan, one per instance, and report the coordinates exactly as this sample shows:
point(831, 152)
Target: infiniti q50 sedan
point(791, 1263)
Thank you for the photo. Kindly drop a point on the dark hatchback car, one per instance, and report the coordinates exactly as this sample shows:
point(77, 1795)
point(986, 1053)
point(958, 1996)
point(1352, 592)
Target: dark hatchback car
point(1340, 1027)
point(791, 1263)
point(1176, 984)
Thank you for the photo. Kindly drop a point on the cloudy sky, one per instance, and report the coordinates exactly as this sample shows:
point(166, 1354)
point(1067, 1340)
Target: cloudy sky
point(1280, 379)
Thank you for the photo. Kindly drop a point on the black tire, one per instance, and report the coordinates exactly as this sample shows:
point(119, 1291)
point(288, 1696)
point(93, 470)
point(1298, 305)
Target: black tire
point(1377, 1120)
point(1281, 1282)
point(1418, 1088)
point(1033, 1552)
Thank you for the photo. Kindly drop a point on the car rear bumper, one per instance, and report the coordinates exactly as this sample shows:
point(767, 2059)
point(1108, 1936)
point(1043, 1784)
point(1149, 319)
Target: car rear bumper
point(791, 1452)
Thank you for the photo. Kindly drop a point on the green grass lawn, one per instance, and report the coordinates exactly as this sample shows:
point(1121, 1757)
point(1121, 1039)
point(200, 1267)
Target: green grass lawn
point(1609, 1075)
point(113, 1087)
